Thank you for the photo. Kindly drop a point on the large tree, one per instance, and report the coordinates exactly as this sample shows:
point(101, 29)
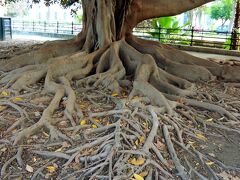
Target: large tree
point(106, 54)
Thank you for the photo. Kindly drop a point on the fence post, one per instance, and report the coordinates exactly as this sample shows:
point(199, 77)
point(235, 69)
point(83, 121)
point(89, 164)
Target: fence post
point(72, 27)
point(192, 31)
point(23, 25)
point(45, 24)
point(33, 25)
point(57, 26)
point(159, 33)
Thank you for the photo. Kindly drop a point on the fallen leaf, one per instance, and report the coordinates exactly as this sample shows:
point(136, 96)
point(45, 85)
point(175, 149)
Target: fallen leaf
point(51, 169)
point(138, 177)
point(59, 149)
point(97, 120)
point(142, 139)
point(94, 126)
point(29, 168)
point(136, 162)
point(144, 173)
point(82, 106)
point(45, 134)
point(83, 122)
point(209, 120)
point(137, 142)
point(202, 137)
point(5, 93)
point(209, 163)
point(37, 114)
point(3, 108)
point(18, 99)
point(114, 94)
point(3, 149)
point(212, 154)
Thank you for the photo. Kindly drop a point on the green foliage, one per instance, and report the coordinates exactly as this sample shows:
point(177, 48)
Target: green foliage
point(221, 10)
point(167, 29)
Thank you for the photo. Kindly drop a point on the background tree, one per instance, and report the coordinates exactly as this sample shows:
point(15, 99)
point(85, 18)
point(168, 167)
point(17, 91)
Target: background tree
point(221, 10)
point(105, 54)
point(236, 27)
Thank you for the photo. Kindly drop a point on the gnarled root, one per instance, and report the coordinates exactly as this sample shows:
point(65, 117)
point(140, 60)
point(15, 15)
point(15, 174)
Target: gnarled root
point(132, 135)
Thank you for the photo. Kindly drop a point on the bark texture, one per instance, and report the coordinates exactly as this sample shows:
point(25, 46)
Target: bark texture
point(106, 55)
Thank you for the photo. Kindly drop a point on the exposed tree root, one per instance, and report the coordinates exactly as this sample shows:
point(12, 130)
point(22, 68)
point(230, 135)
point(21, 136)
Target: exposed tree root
point(125, 136)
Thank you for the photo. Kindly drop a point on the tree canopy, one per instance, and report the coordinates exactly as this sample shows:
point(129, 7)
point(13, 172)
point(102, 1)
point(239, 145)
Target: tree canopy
point(221, 10)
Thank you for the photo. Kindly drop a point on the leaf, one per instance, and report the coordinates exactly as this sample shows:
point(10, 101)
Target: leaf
point(82, 106)
point(200, 136)
point(114, 94)
point(51, 169)
point(83, 122)
point(142, 139)
point(144, 173)
point(3, 108)
point(94, 126)
point(209, 120)
point(59, 149)
point(46, 134)
point(29, 168)
point(17, 99)
point(137, 142)
point(97, 120)
point(209, 163)
point(138, 177)
point(5, 93)
point(37, 114)
point(136, 162)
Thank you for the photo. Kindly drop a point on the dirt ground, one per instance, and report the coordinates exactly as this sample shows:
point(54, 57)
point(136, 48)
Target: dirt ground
point(219, 144)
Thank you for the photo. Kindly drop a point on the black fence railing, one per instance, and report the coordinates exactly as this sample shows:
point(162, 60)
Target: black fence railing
point(46, 27)
point(191, 37)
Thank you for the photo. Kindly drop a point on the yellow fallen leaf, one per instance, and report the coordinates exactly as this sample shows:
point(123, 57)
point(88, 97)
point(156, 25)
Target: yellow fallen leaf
point(209, 120)
point(83, 122)
point(58, 150)
point(209, 163)
point(82, 106)
point(5, 93)
point(137, 142)
point(138, 177)
point(94, 126)
point(29, 168)
point(45, 134)
point(191, 142)
point(97, 120)
point(144, 173)
point(51, 169)
point(202, 137)
point(145, 124)
point(136, 162)
point(108, 123)
point(18, 99)
point(114, 94)
point(142, 139)
point(3, 108)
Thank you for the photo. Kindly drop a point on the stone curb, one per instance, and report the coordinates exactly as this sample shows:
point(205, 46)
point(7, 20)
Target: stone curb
point(208, 50)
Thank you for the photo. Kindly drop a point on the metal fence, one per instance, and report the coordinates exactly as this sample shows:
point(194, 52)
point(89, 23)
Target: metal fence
point(46, 27)
point(191, 37)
